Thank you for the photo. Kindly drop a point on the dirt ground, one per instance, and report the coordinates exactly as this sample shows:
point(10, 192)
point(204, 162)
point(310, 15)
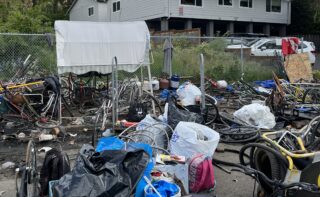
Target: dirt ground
point(234, 185)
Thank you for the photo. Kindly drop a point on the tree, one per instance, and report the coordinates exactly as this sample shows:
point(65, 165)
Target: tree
point(305, 17)
point(31, 16)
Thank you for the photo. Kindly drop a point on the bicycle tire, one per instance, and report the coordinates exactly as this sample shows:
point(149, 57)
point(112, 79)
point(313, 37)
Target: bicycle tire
point(95, 130)
point(156, 102)
point(47, 124)
point(211, 107)
point(31, 166)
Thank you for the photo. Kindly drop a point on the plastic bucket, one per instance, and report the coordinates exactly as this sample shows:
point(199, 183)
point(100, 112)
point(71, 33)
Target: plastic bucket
point(175, 79)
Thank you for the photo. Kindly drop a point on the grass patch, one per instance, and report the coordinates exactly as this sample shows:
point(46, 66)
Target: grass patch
point(218, 63)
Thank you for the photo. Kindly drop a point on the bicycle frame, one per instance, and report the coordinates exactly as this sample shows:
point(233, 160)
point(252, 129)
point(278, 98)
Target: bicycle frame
point(284, 150)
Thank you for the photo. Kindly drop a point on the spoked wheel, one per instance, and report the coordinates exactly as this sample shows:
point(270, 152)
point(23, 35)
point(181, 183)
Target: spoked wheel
point(146, 99)
point(32, 173)
point(211, 110)
point(97, 128)
point(238, 134)
point(101, 121)
point(27, 184)
point(47, 124)
point(311, 96)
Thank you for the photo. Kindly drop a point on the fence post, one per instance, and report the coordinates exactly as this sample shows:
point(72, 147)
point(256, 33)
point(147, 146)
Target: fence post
point(241, 57)
point(171, 55)
point(203, 104)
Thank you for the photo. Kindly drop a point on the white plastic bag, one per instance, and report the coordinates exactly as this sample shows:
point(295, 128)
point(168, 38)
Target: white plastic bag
point(188, 93)
point(256, 115)
point(191, 138)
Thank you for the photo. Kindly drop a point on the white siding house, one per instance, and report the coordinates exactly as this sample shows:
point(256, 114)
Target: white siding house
point(235, 16)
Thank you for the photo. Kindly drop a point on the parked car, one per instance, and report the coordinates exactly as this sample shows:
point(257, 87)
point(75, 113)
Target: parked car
point(247, 36)
point(272, 47)
point(244, 45)
point(235, 41)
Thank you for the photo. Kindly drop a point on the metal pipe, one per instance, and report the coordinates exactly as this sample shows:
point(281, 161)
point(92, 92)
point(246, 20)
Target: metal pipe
point(203, 104)
point(114, 61)
point(241, 53)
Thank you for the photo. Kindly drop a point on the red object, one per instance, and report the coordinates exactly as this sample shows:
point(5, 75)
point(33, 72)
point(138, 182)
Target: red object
point(128, 124)
point(290, 45)
point(201, 174)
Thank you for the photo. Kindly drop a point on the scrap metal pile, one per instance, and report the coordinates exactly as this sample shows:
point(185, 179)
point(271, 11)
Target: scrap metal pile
point(176, 144)
point(158, 137)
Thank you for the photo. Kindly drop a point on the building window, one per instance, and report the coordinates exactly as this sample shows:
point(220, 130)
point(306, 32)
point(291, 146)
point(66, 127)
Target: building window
point(273, 6)
point(246, 3)
point(191, 2)
point(225, 2)
point(90, 10)
point(116, 6)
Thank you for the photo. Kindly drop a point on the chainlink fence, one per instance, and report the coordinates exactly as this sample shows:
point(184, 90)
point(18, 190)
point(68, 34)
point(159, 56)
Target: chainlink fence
point(24, 56)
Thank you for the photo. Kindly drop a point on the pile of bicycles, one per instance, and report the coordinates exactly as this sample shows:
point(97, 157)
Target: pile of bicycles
point(31, 103)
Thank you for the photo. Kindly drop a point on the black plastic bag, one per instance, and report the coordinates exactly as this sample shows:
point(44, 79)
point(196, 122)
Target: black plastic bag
point(175, 115)
point(137, 112)
point(109, 173)
point(55, 165)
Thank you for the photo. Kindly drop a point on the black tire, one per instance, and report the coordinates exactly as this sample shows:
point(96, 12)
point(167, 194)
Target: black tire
point(268, 164)
point(32, 172)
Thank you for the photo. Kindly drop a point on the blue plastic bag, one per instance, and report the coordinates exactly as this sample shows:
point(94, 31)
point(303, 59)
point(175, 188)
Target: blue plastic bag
point(109, 143)
point(165, 188)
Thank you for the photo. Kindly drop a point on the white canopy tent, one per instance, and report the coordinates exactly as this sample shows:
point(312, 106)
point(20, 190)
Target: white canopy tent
point(91, 46)
point(103, 47)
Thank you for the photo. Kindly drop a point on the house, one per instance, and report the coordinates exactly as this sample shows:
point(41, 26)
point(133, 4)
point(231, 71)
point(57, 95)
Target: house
point(211, 16)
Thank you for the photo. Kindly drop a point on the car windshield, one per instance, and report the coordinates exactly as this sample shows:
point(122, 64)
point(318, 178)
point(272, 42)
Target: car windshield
point(249, 44)
point(259, 42)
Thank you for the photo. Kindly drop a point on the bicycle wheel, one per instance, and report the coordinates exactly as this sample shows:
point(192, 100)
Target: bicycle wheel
point(212, 112)
point(47, 124)
point(32, 173)
point(100, 123)
point(147, 99)
point(311, 96)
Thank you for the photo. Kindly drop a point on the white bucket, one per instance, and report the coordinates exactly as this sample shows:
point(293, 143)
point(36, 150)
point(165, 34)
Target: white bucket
point(155, 85)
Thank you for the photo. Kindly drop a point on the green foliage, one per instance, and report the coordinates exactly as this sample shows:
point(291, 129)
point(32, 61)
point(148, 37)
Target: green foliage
point(31, 17)
point(218, 63)
point(305, 17)
point(316, 74)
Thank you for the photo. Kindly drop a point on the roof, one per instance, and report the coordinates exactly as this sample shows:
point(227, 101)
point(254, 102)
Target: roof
point(84, 46)
point(75, 1)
